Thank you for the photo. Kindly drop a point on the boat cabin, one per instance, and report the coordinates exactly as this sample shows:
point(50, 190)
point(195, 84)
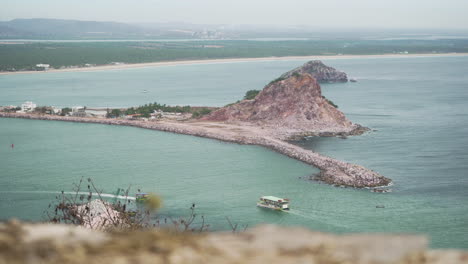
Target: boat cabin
point(273, 202)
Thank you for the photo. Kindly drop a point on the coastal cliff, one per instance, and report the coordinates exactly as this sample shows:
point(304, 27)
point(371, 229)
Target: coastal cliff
point(321, 72)
point(295, 104)
point(53, 243)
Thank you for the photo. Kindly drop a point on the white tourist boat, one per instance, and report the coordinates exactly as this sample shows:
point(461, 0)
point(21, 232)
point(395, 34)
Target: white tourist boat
point(275, 203)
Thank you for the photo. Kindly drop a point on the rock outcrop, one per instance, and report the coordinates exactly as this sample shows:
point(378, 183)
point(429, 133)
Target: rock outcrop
point(295, 103)
point(320, 71)
point(47, 243)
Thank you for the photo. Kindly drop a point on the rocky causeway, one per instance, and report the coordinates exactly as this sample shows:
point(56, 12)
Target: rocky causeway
point(332, 171)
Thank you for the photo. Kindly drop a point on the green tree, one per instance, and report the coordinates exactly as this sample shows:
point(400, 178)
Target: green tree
point(203, 111)
point(65, 111)
point(114, 113)
point(251, 94)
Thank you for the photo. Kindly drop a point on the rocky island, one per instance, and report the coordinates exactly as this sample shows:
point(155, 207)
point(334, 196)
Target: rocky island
point(287, 108)
point(321, 72)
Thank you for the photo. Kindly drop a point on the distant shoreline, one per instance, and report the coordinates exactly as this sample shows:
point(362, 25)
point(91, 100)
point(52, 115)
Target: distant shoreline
point(232, 60)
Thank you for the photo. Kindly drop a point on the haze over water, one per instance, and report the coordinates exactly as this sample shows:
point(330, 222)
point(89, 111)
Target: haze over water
point(416, 105)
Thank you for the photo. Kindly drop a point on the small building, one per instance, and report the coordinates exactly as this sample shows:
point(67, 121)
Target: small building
point(9, 108)
point(42, 67)
point(28, 106)
point(78, 111)
point(133, 116)
point(101, 113)
point(52, 110)
point(56, 110)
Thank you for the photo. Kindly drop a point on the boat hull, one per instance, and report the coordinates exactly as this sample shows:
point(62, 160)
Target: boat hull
point(272, 207)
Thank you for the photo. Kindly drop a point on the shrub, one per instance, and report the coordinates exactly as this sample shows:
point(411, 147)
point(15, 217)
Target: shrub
point(65, 111)
point(203, 111)
point(279, 79)
point(330, 102)
point(251, 94)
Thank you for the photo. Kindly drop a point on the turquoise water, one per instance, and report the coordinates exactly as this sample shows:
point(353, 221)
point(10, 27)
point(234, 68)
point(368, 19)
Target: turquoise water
point(416, 105)
point(208, 85)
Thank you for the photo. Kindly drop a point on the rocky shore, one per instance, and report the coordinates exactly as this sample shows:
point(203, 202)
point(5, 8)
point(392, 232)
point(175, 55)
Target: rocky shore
point(332, 171)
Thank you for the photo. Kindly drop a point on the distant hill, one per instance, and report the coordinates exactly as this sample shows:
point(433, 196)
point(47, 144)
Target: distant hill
point(42, 28)
point(59, 28)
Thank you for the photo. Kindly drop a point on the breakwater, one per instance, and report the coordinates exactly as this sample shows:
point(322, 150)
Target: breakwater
point(332, 171)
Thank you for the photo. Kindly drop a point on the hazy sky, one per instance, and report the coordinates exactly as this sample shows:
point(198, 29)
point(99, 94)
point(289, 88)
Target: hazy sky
point(323, 13)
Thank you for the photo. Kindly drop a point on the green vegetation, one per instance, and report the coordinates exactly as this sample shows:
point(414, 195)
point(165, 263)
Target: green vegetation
point(26, 55)
point(279, 79)
point(238, 101)
point(65, 111)
point(296, 74)
point(251, 94)
point(330, 102)
point(11, 110)
point(147, 109)
point(44, 110)
point(201, 112)
point(114, 113)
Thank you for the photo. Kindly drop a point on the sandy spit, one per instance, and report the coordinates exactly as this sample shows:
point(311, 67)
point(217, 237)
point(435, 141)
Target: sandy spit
point(232, 60)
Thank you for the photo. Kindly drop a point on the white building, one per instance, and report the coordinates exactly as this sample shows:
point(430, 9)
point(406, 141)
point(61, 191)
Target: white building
point(28, 107)
point(79, 111)
point(56, 110)
point(43, 66)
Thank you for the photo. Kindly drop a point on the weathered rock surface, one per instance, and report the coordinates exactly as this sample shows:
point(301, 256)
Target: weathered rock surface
point(46, 243)
point(320, 71)
point(295, 103)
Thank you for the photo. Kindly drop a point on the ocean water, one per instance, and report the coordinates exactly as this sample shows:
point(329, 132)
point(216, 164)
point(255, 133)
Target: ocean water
point(208, 85)
point(415, 106)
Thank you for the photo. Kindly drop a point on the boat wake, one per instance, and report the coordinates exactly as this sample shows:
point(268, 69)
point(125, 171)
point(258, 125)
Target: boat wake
point(301, 214)
point(317, 216)
point(104, 195)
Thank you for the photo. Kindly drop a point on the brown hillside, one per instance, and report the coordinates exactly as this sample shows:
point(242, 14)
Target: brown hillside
point(294, 103)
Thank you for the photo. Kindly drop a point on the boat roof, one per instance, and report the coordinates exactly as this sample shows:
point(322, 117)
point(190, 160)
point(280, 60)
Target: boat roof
point(273, 198)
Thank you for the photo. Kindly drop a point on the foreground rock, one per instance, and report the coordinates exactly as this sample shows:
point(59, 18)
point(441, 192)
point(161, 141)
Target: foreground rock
point(320, 71)
point(98, 214)
point(46, 243)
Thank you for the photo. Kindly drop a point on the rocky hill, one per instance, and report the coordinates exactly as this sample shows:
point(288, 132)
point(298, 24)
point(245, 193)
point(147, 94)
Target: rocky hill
point(320, 71)
point(295, 103)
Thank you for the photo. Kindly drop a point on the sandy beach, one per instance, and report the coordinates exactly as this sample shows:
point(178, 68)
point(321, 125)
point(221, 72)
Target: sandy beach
point(232, 60)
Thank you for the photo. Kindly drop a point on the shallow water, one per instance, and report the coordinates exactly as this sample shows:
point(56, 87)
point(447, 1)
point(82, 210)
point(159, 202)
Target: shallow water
point(416, 105)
